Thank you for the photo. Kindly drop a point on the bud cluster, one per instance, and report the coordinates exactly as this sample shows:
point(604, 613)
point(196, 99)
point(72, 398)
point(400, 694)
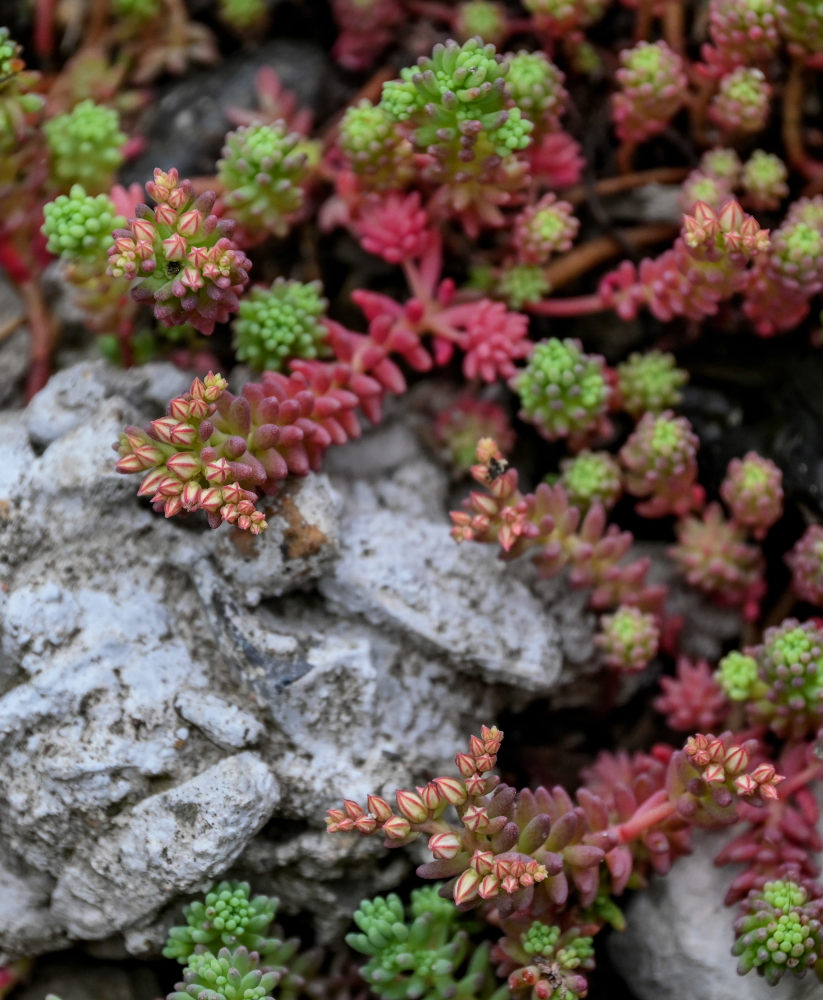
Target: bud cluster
point(180, 258)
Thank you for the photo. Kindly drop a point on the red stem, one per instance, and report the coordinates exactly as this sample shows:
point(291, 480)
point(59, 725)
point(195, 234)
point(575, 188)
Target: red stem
point(579, 305)
point(44, 29)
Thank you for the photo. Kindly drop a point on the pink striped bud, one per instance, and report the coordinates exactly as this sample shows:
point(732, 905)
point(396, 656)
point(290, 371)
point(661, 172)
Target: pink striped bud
point(163, 427)
point(444, 846)
point(184, 464)
point(179, 408)
point(736, 760)
point(178, 197)
point(218, 472)
point(465, 764)
point(175, 247)
point(485, 762)
point(475, 818)
point(233, 493)
point(211, 500)
point(509, 884)
point(190, 497)
point(182, 434)
point(333, 817)
point(488, 888)
point(165, 215)
point(397, 828)
point(198, 408)
point(746, 785)
point(476, 785)
point(412, 806)
point(352, 808)
point(229, 513)
point(482, 862)
point(717, 751)
point(151, 482)
point(365, 825)
point(198, 256)
point(465, 889)
point(379, 808)
point(452, 789)
point(189, 222)
point(476, 746)
point(714, 774)
point(192, 278)
point(173, 506)
point(132, 463)
point(431, 796)
point(492, 737)
point(169, 486)
point(144, 229)
point(214, 384)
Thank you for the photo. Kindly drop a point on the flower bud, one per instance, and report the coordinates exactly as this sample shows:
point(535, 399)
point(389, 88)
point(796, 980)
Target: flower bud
point(465, 888)
point(444, 846)
point(475, 818)
point(184, 464)
point(352, 808)
point(488, 888)
point(465, 764)
point(452, 789)
point(182, 434)
point(397, 828)
point(482, 862)
point(412, 806)
point(379, 808)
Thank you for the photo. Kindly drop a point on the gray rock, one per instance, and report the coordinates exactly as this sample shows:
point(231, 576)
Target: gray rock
point(139, 655)
point(679, 938)
point(174, 842)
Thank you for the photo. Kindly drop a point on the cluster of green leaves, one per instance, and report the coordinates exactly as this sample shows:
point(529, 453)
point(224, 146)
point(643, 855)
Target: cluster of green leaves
point(230, 951)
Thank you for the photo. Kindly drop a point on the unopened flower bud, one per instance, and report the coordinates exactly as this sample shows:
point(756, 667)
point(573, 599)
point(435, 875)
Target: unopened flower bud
point(352, 808)
point(379, 808)
point(488, 888)
point(365, 825)
point(482, 862)
point(397, 828)
point(444, 846)
point(475, 818)
point(452, 789)
point(412, 806)
point(465, 764)
point(184, 464)
point(465, 888)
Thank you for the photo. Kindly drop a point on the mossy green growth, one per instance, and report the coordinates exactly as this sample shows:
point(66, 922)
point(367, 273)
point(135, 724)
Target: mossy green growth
point(262, 170)
point(535, 84)
point(369, 138)
point(85, 147)
point(764, 179)
point(562, 389)
point(522, 283)
point(137, 10)
point(458, 85)
point(15, 83)
point(780, 932)
point(649, 382)
point(482, 19)
point(79, 226)
point(276, 324)
point(737, 675)
point(231, 974)
point(228, 917)
point(426, 954)
point(243, 15)
point(591, 477)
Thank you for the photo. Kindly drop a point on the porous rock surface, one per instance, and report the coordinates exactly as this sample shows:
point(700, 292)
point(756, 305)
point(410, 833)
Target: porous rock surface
point(678, 941)
point(177, 704)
